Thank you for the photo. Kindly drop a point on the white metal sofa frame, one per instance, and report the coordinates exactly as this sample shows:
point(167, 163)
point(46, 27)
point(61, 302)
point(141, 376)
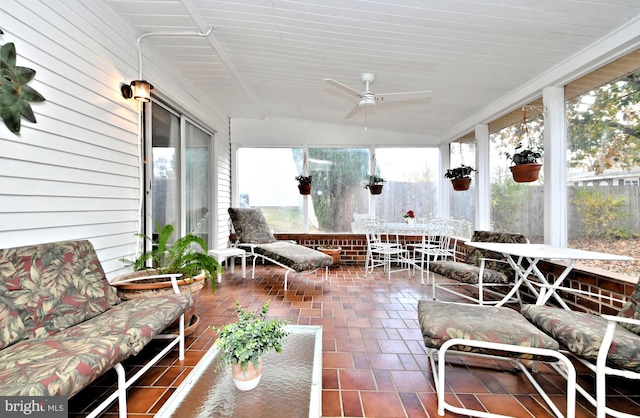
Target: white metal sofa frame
point(496, 333)
point(254, 235)
point(122, 382)
point(607, 345)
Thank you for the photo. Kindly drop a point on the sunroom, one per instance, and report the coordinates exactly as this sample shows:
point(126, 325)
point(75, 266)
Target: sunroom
point(240, 105)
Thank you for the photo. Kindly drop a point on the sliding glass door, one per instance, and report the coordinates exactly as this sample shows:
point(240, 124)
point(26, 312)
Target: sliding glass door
point(178, 186)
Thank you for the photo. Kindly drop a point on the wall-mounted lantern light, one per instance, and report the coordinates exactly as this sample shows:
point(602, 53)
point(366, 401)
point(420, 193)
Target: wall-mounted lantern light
point(140, 90)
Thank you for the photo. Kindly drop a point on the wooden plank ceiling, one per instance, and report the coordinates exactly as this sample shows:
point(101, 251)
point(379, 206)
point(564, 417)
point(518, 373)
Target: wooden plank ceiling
point(269, 57)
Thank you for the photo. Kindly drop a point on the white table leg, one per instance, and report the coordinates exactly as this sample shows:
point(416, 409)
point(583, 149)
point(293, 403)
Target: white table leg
point(546, 290)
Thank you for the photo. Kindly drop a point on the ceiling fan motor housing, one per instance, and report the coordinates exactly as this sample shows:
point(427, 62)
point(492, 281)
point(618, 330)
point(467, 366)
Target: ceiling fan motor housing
point(367, 99)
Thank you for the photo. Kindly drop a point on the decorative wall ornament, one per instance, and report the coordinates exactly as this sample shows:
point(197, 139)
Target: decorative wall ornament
point(15, 94)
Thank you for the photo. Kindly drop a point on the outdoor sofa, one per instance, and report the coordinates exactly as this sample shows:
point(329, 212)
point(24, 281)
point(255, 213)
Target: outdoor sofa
point(62, 325)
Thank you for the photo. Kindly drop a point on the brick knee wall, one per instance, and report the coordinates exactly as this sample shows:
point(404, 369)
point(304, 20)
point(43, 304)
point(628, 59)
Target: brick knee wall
point(354, 250)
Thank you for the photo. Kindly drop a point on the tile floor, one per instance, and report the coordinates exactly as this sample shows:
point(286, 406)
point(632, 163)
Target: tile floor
point(374, 360)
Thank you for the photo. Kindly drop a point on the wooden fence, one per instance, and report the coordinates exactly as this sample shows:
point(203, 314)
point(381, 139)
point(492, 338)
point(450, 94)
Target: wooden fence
point(528, 217)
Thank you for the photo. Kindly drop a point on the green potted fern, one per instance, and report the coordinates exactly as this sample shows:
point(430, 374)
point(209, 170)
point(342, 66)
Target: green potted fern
point(188, 257)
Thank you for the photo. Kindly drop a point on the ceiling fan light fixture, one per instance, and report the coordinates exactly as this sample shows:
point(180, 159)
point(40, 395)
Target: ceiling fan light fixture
point(367, 101)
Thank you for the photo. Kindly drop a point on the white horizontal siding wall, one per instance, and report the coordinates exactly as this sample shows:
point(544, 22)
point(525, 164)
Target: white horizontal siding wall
point(75, 173)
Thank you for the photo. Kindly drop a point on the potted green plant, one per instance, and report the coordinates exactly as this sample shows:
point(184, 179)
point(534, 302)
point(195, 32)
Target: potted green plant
point(187, 257)
point(374, 184)
point(304, 184)
point(460, 177)
point(242, 344)
point(526, 167)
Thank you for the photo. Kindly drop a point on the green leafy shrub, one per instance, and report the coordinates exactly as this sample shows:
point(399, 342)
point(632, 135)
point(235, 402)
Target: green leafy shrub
point(599, 211)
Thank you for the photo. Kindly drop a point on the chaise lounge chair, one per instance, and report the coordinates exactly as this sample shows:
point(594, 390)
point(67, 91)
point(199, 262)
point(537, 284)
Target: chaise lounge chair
point(253, 234)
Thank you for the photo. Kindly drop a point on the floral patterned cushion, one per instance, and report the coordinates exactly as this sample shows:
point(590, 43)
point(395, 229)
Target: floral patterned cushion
point(11, 326)
point(631, 309)
point(581, 333)
point(475, 254)
point(294, 256)
point(51, 287)
point(466, 273)
point(64, 363)
point(441, 321)
point(250, 226)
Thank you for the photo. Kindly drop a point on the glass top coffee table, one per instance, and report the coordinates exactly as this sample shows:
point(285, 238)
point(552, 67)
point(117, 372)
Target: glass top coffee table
point(291, 384)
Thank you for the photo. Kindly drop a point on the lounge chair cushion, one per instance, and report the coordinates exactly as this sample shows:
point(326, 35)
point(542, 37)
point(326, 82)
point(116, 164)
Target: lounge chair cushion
point(631, 310)
point(466, 273)
point(441, 321)
point(581, 333)
point(475, 255)
point(295, 256)
point(250, 225)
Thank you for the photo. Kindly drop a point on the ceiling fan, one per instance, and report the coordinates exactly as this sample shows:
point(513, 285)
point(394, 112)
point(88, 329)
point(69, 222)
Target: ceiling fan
point(367, 98)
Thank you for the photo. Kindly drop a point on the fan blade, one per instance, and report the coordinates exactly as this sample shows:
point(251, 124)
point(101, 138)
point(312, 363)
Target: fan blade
point(407, 95)
point(353, 112)
point(342, 87)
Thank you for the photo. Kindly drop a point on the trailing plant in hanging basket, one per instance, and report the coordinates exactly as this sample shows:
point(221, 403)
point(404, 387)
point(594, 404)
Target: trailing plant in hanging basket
point(460, 177)
point(526, 167)
point(374, 184)
point(304, 184)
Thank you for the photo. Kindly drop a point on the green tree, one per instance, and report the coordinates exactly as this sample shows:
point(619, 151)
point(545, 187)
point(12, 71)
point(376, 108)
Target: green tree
point(604, 126)
point(337, 185)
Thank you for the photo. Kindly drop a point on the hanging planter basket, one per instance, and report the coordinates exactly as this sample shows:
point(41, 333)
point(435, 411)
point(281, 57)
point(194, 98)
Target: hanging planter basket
point(375, 188)
point(304, 189)
point(461, 184)
point(525, 173)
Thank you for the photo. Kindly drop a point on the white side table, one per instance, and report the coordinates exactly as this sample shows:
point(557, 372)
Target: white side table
point(221, 255)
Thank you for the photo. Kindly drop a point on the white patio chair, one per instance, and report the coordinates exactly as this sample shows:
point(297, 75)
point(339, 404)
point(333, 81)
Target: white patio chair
point(429, 239)
point(445, 233)
point(383, 250)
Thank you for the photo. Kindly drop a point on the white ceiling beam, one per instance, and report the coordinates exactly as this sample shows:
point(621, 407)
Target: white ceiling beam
point(202, 25)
